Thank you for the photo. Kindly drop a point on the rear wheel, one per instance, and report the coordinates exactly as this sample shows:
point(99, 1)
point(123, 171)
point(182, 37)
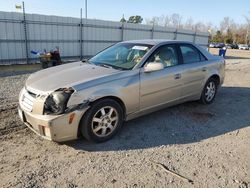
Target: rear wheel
point(209, 91)
point(102, 121)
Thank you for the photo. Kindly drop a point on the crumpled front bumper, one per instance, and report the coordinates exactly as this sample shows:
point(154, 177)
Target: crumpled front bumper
point(57, 128)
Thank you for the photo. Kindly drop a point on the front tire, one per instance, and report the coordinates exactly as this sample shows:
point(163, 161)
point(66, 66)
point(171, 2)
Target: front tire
point(209, 91)
point(102, 121)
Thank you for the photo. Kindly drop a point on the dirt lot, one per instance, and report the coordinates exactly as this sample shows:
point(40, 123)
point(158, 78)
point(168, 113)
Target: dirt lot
point(206, 144)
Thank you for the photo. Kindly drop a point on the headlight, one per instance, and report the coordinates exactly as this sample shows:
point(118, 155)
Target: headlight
point(56, 102)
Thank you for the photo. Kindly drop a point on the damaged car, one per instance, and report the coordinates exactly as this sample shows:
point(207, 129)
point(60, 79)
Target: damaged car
point(125, 81)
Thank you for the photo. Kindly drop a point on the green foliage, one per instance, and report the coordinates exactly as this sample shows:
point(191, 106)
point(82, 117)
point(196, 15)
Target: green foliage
point(229, 37)
point(123, 20)
point(228, 40)
point(135, 19)
point(218, 37)
point(132, 19)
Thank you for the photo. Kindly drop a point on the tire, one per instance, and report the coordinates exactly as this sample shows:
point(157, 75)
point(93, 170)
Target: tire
point(102, 121)
point(209, 91)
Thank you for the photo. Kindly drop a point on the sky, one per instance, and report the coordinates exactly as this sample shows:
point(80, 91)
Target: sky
point(200, 10)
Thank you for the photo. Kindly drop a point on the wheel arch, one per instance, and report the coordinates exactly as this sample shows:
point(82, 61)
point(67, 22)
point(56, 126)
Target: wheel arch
point(115, 98)
point(216, 77)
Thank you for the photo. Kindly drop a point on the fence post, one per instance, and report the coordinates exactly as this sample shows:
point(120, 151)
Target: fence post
point(194, 36)
point(81, 34)
point(152, 31)
point(122, 32)
point(25, 35)
point(175, 34)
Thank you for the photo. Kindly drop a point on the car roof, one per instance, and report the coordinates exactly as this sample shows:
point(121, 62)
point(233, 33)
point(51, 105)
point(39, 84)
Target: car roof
point(154, 41)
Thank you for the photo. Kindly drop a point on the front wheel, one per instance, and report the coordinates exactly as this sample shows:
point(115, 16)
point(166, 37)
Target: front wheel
point(209, 91)
point(102, 121)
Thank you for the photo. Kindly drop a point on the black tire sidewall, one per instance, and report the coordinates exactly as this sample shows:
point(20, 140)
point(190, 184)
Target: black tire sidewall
point(203, 97)
point(86, 121)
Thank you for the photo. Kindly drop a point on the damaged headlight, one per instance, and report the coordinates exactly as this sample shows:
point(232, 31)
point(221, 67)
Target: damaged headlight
point(56, 102)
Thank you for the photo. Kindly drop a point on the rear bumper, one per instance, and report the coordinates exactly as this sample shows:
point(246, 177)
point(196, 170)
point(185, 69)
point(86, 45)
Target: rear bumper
point(53, 127)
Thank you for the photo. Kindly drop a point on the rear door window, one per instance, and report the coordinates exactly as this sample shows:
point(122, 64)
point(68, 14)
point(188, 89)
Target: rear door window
point(190, 54)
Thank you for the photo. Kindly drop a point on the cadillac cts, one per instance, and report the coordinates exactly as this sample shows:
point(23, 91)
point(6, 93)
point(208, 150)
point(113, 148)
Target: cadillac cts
point(127, 80)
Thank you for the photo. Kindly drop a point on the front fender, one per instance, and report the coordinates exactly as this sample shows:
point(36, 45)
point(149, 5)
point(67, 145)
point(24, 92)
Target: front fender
point(125, 89)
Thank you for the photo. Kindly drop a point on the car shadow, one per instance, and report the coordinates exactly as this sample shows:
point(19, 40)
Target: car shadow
point(182, 124)
point(235, 57)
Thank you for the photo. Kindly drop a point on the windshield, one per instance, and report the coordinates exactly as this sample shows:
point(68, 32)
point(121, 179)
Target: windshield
point(122, 56)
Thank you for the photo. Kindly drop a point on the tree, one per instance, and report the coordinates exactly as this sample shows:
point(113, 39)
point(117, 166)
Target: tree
point(167, 21)
point(225, 24)
point(248, 28)
point(218, 37)
point(156, 21)
point(189, 24)
point(176, 20)
point(229, 37)
point(135, 19)
point(228, 31)
point(161, 21)
point(123, 20)
point(199, 26)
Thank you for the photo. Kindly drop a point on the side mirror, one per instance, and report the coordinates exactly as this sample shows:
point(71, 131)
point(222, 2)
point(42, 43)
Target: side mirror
point(153, 66)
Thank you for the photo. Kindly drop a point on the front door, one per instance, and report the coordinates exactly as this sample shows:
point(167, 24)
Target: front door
point(163, 86)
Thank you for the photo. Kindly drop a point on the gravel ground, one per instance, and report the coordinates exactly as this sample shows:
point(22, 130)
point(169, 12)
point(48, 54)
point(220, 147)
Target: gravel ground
point(206, 144)
point(9, 90)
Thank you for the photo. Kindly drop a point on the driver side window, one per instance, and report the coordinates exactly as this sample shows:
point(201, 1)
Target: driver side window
point(166, 55)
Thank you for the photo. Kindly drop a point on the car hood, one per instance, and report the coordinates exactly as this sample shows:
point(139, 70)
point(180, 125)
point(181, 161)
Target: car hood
point(67, 75)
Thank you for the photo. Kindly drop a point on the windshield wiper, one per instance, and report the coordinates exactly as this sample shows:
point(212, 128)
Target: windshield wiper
point(109, 66)
point(105, 65)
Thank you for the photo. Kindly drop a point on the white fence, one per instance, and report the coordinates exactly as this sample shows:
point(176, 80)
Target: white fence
point(76, 37)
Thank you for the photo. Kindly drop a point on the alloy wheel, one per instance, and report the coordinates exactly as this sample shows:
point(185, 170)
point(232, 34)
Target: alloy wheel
point(210, 91)
point(104, 121)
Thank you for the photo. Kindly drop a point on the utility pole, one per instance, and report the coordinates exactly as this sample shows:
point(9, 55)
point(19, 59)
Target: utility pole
point(86, 9)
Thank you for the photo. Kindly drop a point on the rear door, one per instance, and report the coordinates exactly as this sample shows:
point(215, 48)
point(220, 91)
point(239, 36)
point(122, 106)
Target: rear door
point(194, 67)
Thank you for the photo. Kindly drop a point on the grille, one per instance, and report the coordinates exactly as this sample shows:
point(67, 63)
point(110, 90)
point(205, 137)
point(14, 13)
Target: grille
point(27, 101)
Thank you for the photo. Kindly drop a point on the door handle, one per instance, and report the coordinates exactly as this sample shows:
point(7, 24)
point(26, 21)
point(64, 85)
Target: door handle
point(204, 69)
point(177, 76)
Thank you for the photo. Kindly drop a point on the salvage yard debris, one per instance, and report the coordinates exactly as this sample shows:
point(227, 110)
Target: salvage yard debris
point(166, 169)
